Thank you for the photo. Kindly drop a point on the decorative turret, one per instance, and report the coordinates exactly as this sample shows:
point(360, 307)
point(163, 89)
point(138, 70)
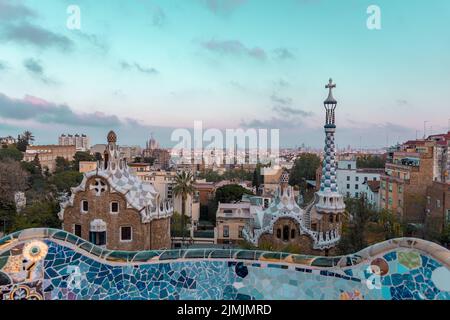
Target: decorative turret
point(329, 199)
point(284, 180)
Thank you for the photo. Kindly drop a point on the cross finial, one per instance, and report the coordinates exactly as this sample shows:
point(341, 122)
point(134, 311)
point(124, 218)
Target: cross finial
point(330, 85)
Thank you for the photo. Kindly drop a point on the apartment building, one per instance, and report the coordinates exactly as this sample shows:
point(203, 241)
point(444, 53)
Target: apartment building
point(408, 173)
point(47, 154)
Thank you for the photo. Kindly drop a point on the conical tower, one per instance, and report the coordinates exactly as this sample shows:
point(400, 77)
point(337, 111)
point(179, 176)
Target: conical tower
point(329, 199)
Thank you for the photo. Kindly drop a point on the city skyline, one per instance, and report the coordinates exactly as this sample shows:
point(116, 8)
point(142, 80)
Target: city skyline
point(208, 60)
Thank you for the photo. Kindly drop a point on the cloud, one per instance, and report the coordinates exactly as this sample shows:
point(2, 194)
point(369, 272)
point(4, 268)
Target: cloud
point(289, 111)
point(29, 34)
point(281, 83)
point(136, 66)
point(3, 65)
point(402, 103)
point(280, 100)
point(42, 111)
point(222, 7)
point(285, 116)
point(10, 11)
point(16, 26)
point(35, 68)
point(234, 47)
point(158, 17)
point(283, 54)
point(93, 40)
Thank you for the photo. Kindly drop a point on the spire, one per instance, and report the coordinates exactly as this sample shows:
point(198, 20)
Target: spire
point(330, 86)
point(330, 105)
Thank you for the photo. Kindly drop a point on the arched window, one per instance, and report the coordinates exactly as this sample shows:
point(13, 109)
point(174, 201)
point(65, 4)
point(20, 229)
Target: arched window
point(293, 233)
point(337, 218)
point(331, 218)
point(286, 233)
point(278, 233)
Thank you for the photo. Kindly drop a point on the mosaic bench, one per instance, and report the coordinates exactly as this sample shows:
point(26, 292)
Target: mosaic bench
point(52, 264)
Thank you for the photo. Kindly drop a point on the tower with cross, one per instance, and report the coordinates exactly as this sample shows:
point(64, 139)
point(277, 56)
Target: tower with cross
point(329, 200)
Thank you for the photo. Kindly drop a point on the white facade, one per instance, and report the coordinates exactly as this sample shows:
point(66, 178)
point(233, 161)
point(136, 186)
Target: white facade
point(81, 142)
point(351, 180)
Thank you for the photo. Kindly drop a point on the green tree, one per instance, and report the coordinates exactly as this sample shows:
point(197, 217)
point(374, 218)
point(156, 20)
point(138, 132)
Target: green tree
point(390, 223)
point(354, 231)
point(304, 168)
point(149, 160)
point(183, 187)
point(178, 226)
point(65, 180)
point(24, 140)
point(445, 237)
point(41, 214)
point(210, 176)
point(81, 156)
point(230, 193)
point(10, 152)
point(371, 161)
point(62, 164)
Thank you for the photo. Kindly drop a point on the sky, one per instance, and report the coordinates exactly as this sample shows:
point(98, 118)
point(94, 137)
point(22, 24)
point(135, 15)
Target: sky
point(143, 66)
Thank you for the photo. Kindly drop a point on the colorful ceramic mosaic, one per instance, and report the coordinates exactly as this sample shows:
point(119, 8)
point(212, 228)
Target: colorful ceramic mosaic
point(54, 265)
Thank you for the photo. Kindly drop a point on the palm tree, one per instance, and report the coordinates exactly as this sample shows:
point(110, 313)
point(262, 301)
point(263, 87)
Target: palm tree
point(183, 187)
point(28, 136)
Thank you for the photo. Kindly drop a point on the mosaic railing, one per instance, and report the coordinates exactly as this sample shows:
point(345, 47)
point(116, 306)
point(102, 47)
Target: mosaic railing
point(54, 264)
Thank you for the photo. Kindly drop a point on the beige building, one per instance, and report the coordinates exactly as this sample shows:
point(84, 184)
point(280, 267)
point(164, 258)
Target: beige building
point(231, 219)
point(47, 154)
point(86, 166)
point(437, 216)
point(409, 172)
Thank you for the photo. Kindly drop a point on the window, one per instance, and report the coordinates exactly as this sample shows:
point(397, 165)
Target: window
point(292, 233)
point(84, 206)
point(114, 207)
point(374, 179)
point(348, 178)
point(356, 194)
point(337, 218)
point(226, 231)
point(77, 230)
point(429, 200)
point(98, 238)
point(356, 187)
point(330, 218)
point(390, 187)
point(126, 234)
point(400, 189)
point(278, 233)
point(438, 204)
point(447, 218)
point(348, 194)
point(356, 179)
point(286, 233)
point(348, 186)
point(349, 167)
point(241, 229)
